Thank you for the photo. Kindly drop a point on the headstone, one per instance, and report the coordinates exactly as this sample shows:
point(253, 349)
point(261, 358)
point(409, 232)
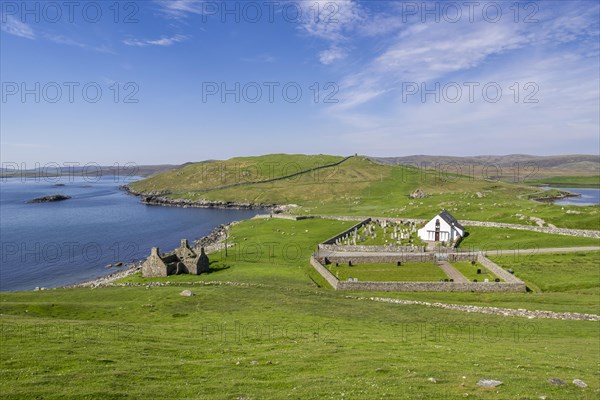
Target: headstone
point(497, 280)
point(478, 271)
point(349, 263)
point(511, 271)
point(399, 263)
point(486, 280)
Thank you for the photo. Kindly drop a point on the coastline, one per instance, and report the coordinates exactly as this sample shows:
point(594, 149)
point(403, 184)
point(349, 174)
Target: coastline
point(212, 242)
point(159, 199)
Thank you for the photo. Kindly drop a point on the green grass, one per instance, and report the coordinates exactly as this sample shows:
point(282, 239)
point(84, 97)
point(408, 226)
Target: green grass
point(569, 272)
point(469, 271)
point(568, 181)
point(484, 238)
point(363, 188)
point(267, 251)
point(272, 343)
point(287, 334)
point(407, 272)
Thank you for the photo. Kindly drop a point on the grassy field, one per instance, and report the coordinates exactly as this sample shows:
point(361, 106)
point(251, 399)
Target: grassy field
point(568, 181)
point(469, 271)
point(272, 343)
point(407, 272)
point(569, 272)
point(484, 238)
point(362, 187)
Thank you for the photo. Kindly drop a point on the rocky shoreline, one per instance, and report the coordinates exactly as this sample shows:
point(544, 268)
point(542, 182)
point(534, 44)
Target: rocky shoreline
point(159, 199)
point(212, 242)
point(555, 197)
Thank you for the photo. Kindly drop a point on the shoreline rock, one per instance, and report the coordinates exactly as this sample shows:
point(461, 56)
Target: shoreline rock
point(159, 199)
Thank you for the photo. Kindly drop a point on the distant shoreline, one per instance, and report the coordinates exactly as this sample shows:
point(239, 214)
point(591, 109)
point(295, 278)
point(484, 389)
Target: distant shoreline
point(158, 199)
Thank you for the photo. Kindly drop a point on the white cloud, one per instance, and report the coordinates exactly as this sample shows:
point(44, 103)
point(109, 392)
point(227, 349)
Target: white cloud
point(334, 22)
point(18, 28)
point(331, 55)
point(163, 41)
point(180, 8)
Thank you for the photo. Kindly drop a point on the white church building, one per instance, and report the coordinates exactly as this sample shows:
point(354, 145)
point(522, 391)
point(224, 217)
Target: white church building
point(442, 228)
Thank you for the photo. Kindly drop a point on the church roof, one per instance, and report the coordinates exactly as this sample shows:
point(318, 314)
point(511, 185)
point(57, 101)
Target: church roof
point(446, 216)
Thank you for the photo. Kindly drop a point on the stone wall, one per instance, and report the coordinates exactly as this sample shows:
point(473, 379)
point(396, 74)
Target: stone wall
point(466, 256)
point(479, 287)
point(381, 258)
point(325, 273)
point(556, 231)
point(346, 232)
point(512, 284)
point(497, 270)
point(375, 249)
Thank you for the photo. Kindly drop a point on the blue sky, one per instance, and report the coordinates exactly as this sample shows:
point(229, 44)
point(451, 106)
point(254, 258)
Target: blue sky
point(383, 78)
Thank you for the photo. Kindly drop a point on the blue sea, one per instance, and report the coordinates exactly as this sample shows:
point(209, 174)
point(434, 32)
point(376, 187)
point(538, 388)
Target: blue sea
point(59, 243)
point(588, 197)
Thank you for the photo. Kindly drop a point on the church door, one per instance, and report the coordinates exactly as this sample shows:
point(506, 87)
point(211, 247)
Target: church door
point(437, 230)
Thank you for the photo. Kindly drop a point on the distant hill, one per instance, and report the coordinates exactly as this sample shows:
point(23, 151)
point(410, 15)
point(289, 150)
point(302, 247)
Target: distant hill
point(126, 170)
point(513, 167)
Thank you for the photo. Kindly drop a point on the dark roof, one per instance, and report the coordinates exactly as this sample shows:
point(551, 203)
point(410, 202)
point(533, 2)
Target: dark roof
point(446, 216)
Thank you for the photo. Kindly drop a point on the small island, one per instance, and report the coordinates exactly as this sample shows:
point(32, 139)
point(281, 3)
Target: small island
point(50, 199)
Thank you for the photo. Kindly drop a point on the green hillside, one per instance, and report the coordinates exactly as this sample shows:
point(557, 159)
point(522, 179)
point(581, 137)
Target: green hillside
point(360, 186)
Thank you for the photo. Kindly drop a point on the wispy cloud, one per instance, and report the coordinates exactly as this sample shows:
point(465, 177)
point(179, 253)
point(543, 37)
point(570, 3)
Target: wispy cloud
point(13, 26)
point(422, 52)
point(334, 23)
point(180, 8)
point(69, 41)
point(163, 41)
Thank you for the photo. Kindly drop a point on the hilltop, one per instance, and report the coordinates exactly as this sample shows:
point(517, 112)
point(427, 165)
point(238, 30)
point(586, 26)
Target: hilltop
point(358, 185)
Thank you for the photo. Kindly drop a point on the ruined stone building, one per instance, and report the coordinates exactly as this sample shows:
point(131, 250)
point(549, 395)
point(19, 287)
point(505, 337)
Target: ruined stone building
point(182, 261)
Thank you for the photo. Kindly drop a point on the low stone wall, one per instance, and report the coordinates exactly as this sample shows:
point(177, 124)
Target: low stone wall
point(325, 273)
point(498, 271)
point(479, 287)
point(511, 285)
point(556, 231)
point(364, 259)
point(347, 231)
point(373, 249)
point(466, 256)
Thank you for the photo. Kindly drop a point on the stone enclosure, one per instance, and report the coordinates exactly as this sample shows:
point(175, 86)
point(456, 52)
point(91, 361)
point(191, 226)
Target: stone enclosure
point(342, 248)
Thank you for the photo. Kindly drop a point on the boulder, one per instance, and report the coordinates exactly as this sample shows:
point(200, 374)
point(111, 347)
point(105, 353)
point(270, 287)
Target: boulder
point(488, 383)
